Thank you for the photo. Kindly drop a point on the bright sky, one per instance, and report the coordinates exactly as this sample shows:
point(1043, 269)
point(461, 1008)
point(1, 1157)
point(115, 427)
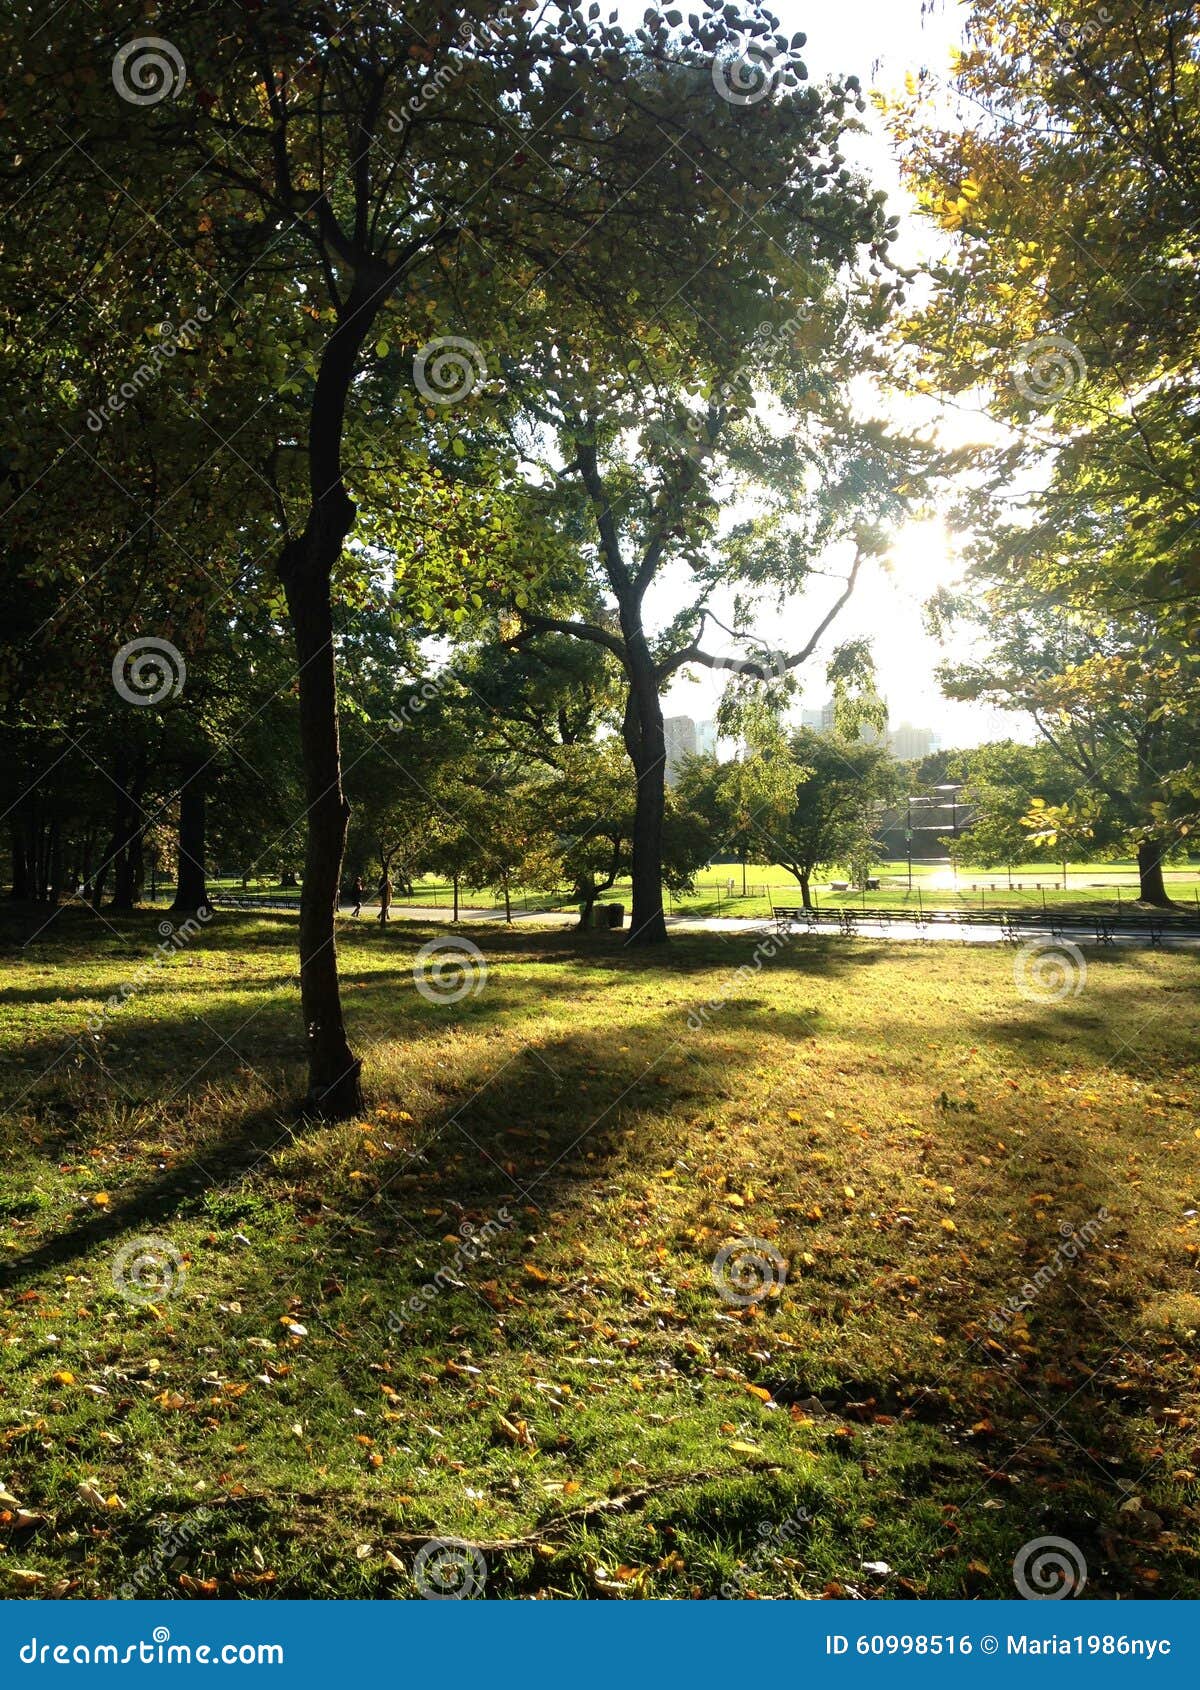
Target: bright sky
point(880, 41)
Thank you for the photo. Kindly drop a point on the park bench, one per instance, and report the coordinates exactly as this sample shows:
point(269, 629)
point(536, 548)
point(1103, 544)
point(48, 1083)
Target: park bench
point(255, 901)
point(1105, 927)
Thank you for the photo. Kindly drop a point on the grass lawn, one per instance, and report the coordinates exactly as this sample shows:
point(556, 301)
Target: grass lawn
point(934, 885)
point(320, 1371)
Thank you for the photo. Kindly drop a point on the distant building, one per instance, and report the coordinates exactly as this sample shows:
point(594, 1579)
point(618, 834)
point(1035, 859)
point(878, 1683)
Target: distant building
point(681, 742)
point(706, 739)
point(821, 720)
point(907, 743)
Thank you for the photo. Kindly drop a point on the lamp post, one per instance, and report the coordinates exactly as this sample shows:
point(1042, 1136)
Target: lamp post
point(908, 836)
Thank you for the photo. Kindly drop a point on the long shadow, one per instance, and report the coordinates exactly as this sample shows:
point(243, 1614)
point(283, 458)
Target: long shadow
point(217, 1163)
point(535, 1131)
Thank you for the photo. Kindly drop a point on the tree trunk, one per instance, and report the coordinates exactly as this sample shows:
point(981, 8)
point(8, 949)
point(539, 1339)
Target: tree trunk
point(507, 903)
point(124, 879)
point(306, 567)
point(20, 857)
point(191, 888)
point(805, 892)
point(124, 848)
point(334, 1087)
point(646, 743)
point(454, 879)
point(57, 862)
point(1152, 886)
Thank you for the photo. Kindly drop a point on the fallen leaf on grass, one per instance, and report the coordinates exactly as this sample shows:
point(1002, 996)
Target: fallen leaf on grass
point(96, 1498)
point(21, 1520)
point(197, 1587)
point(516, 1434)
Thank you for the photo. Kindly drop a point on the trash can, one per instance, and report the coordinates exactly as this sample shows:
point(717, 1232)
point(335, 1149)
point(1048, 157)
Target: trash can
point(616, 914)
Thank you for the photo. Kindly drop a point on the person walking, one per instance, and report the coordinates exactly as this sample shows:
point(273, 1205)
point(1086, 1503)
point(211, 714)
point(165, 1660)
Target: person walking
point(358, 895)
point(385, 897)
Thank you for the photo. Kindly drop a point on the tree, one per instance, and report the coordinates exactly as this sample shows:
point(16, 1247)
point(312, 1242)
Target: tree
point(1023, 800)
point(818, 482)
point(591, 811)
point(1113, 715)
point(1082, 342)
point(746, 799)
point(331, 165)
point(840, 788)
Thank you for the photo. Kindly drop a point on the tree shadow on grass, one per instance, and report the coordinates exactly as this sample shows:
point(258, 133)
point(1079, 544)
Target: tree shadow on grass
point(221, 1162)
point(545, 1126)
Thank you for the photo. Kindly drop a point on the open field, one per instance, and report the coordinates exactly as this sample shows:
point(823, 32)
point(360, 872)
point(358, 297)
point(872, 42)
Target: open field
point(934, 885)
point(314, 1368)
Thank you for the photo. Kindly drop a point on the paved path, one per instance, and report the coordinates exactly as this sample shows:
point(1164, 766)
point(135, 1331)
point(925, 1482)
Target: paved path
point(959, 933)
point(902, 931)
